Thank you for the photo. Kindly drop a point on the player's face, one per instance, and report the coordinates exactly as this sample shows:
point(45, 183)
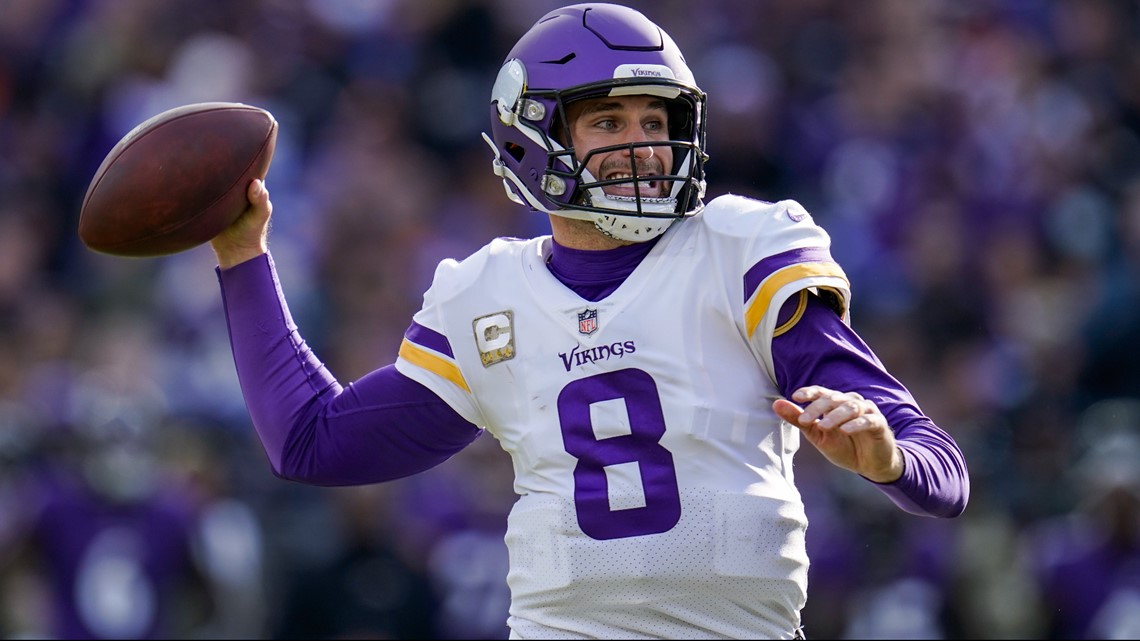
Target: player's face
point(619, 120)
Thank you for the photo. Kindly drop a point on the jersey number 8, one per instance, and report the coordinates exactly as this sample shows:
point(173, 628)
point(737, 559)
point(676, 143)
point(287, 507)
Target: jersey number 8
point(641, 445)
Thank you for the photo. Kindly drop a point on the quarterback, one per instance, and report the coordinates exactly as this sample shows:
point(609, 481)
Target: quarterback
point(651, 366)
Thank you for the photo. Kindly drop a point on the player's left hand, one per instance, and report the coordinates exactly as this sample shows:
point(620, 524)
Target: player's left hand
point(849, 430)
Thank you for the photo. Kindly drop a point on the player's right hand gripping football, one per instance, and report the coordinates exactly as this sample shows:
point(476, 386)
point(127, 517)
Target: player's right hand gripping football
point(248, 236)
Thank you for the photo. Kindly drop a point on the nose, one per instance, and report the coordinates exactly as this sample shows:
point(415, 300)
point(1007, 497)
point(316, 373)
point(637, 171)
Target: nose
point(642, 152)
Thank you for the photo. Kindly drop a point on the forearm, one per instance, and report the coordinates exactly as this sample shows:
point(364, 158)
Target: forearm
point(935, 481)
point(312, 429)
point(821, 350)
point(280, 378)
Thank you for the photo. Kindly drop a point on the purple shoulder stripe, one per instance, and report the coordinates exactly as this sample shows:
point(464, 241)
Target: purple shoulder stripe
point(429, 338)
point(776, 262)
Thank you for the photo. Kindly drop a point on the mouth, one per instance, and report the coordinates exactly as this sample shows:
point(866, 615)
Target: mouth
point(646, 188)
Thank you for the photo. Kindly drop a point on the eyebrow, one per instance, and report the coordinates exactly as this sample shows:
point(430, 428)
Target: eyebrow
point(598, 107)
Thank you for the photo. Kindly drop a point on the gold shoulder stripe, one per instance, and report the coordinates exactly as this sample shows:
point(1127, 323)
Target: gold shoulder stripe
point(777, 280)
point(432, 363)
point(791, 322)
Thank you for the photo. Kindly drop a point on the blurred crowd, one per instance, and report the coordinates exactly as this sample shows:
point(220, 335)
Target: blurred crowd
point(977, 163)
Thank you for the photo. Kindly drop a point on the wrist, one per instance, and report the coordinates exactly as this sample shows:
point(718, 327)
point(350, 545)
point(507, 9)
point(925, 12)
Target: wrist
point(231, 257)
point(894, 472)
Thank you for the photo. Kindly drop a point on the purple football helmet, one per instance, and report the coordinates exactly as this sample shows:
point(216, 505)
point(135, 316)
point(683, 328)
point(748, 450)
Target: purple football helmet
point(586, 51)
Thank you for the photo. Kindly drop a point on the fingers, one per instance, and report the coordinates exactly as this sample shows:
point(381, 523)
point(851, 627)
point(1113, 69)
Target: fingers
point(260, 207)
point(258, 194)
point(848, 411)
point(787, 410)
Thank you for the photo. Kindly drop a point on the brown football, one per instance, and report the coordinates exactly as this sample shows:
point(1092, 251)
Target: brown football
point(177, 179)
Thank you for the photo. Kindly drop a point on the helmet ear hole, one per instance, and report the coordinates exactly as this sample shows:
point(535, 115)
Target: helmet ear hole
point(516, 151)
point(680, 119)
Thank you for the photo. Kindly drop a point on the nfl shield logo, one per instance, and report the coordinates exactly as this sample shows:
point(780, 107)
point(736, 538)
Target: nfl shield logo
point(588, 322)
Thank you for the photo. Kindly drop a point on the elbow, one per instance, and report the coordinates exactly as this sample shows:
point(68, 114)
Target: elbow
point(956, 506)
point(958, 485)
point(936, 483)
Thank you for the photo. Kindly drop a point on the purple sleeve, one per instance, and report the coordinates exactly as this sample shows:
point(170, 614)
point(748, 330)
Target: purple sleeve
point(382, 427)
point(821, 350)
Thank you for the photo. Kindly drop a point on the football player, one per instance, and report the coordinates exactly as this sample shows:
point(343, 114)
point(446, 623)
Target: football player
point(650, 366)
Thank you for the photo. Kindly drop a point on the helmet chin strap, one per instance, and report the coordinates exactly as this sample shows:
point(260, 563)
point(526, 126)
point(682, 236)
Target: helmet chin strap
point(632, 228)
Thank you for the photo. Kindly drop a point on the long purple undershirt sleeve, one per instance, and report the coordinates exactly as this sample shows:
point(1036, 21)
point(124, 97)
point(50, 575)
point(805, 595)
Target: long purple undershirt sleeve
point(386, 426)
point(381, 427)
point(821, 350)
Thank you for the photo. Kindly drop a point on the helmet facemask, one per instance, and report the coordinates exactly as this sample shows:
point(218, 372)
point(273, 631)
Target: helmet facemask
point(647, 197)
point(610, 51)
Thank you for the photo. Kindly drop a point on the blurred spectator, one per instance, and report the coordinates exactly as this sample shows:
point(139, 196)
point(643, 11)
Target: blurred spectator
point(116, 542)
point(361, 586)
point(977, 164)
point(1088, 560)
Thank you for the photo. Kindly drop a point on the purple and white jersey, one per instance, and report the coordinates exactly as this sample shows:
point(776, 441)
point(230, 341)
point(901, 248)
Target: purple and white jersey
point(650, 468)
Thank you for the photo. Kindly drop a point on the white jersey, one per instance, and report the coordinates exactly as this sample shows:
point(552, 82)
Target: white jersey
point(656, 493)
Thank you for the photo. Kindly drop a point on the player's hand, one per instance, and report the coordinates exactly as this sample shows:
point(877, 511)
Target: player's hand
point(248, 236)
point(847, 429)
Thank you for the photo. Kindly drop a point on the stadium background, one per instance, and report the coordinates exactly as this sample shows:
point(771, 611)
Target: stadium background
point(977, 163)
